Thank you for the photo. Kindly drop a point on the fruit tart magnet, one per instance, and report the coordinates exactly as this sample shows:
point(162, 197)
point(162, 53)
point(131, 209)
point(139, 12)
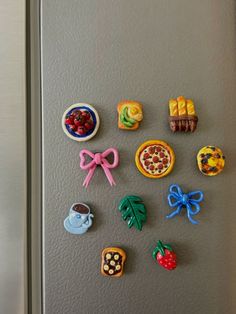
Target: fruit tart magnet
point(165, 256)
point(113, 259)
point(130, 114)
point(190, 201)
point(155, 159)
point(182, 115)
point(79, 219)
point(210, 160)
point(80, 122)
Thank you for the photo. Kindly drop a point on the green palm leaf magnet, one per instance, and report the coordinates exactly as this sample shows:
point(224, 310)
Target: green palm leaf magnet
point(134, 211)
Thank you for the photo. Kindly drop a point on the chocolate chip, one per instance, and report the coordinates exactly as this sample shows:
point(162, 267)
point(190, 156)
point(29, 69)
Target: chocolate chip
point(202, 155)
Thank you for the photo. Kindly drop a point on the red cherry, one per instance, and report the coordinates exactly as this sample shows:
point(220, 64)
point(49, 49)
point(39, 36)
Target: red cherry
point(88, 125)
point(81, 130)
point(76, 113)
point(67, 121)
point(86, 115)
point(73, 127)
point(79, 121)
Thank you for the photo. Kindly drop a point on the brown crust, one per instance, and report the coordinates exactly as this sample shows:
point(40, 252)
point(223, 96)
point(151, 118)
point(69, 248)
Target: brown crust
point(113, 249)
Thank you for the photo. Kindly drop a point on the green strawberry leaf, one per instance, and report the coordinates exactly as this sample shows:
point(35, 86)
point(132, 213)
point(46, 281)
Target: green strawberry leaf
point(134, 211)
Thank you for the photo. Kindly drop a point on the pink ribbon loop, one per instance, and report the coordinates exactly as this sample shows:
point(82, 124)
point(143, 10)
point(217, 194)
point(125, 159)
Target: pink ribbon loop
point(99, 159)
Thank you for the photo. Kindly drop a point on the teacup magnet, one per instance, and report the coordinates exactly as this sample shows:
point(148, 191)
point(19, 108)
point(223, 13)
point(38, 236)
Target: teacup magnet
point(182, 115)
point(165, 256)
point(113, 259)
point(155, 159)
point(190, 201)
point(79, 219)
point(99, 159)
point(130, 114)
point(80, 122)
point(210, 160)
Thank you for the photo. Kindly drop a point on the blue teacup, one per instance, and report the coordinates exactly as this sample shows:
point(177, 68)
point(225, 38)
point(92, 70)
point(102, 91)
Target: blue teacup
point(79, 219)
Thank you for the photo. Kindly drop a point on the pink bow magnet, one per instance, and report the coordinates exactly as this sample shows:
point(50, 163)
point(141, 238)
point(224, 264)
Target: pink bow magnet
point(98, 159)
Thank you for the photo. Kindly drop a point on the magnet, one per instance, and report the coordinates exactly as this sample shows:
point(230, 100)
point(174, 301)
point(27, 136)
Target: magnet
point(99, 159)
point(155, 159)
point(182, 115)
point(79, 219)
point(210, 160)
point(113, 259)
point(80, 122)
point(133, 210)
point(190, 201)
point(165, 256)
point(130, 114)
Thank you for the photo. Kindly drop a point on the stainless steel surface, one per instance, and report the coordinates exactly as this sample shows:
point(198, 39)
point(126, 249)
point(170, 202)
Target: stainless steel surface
point(101, 52)
point(13, 280)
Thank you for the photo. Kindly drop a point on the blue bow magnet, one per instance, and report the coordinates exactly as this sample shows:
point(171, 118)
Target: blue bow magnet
point(190, 201)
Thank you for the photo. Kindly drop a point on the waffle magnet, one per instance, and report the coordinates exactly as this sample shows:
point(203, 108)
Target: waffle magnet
point(155, 159)
point(80, 122)
point(210, 160)
point(113, 259)
point(130, 114)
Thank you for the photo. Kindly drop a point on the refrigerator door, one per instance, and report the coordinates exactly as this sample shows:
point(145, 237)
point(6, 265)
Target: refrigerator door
point(100, 52)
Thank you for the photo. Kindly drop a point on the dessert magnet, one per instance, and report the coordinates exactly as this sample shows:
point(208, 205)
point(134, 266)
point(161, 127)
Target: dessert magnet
point(80, 122)
point(113, 259)
point(210, 160)
point(99, 159)
point(165, 256)
point(190, 201)
point(182, 115)
point(130, 114)
point(134, 211)
point(79, 219)
point(155, 159)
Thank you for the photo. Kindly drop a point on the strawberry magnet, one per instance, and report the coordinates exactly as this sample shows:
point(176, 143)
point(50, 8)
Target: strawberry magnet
point(165, 256)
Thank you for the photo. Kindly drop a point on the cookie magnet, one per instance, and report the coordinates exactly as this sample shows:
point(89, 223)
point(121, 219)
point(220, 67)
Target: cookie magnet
point(113, 259)
point(98, 159)
point(165, 256)
point(155, 159)
point(79, 219)
point(210, 160)
point(190, 201)
point(130, 114)
point(182, 115)
point(134, 211)
point(80, 122)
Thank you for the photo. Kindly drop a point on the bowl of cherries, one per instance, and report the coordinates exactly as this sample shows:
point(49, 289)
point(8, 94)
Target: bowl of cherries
point(80, 122)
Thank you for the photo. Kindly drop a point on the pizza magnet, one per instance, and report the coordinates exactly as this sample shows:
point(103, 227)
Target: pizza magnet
point(155, 159)
point(80, 122)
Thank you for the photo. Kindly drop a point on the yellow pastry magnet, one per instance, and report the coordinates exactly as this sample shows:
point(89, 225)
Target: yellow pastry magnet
point(130, 114)
point(210, 160)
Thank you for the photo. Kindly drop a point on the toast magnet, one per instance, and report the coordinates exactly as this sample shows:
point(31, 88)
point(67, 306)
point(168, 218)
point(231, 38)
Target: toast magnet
point(165, 256)
point(182, 115)
point(99, 159)
point(80, 122)
point(155, 159)
point(79, 219)
point(130, 114)
point(210, 160)
point(190, 201)
point(134, 211)
point(113, 259)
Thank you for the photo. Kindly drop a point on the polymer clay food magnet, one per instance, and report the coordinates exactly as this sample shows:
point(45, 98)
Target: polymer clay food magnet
point(134, 211)
point(80, 122)
point(130, 114)
point(99, 159)
point(210, 160)
point(190, 201)
point(155, 159)
point(113, 259)
point(79, 219)
point(165, 256)
point(182, 115)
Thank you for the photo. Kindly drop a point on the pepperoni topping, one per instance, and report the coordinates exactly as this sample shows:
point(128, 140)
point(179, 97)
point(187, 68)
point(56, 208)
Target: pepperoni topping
point(160, 166)
point(151, 150)
point(146, 162)
point(155, 159)
point(158, 149)
point(162, 155)
point(146, 156)
point(151, 167)
point(165, 161)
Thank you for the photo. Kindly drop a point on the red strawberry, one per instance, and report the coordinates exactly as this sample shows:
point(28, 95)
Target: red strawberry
point(165, 256)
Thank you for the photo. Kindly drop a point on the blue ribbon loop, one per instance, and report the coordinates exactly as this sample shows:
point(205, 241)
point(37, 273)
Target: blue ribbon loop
point(190, 201)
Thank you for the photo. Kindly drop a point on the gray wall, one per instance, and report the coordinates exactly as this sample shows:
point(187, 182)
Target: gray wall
point(101, 52)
